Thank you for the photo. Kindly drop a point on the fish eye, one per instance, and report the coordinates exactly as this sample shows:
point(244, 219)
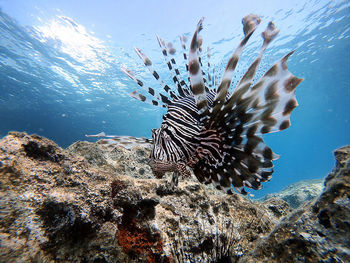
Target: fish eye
point(166, 136)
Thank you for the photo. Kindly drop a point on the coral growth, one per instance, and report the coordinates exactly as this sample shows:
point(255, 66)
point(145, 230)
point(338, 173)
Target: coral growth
point(116, 187)
point(317, 232)
point(57, 206)
point(299, 193)
point(140, 243)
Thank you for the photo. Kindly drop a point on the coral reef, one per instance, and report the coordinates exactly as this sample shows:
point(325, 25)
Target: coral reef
point(317, 232)
point(95, 203)
point(92, 203)
point(132, 162)
point(299, 193)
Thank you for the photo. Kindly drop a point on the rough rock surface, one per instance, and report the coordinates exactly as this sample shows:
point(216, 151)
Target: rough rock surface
point(132, 162)
point(317, 232)
point(93, 203)
point(299, 193)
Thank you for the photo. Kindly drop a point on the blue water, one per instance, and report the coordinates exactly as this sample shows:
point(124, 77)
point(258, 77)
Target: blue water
point(60, 69)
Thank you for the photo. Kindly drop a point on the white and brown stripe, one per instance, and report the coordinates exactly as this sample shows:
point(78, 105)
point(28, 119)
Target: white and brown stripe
point(181, 85)
point(216, 133)
point(250, 23)
point(196, 77)
point(148, 64)
point(157, 95)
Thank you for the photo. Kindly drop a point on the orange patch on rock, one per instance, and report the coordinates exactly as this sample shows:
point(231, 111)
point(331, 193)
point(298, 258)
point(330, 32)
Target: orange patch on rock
point(141, 242)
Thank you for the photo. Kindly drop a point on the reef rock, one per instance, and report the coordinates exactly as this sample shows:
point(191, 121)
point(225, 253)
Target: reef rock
point(317, 232)
point(299, 193)
point(132, 162)
point(93, 203)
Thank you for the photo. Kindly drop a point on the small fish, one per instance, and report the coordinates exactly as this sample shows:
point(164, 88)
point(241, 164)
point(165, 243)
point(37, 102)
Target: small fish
point(216, 132)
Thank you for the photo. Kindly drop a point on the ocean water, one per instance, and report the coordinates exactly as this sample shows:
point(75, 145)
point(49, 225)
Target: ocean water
point(60, 71)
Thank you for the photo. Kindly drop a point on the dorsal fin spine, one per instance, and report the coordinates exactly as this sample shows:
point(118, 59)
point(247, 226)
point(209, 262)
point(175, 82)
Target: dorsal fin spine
point(222, 90)
point(148, 63)
point(181, 89)
point(158, 96)
point(196, 77)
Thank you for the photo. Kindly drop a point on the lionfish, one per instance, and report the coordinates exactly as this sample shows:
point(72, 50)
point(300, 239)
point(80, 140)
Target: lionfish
point(216, 132)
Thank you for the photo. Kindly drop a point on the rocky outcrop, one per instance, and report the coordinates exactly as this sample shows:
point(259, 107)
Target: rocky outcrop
point(132, 162)
point(299, 193)
point(93, 203)
point(317, 232)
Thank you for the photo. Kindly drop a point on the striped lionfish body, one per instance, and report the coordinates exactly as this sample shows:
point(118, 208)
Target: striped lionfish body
point(216, 132)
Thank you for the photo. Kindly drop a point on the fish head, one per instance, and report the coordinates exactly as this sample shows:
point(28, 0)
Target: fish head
point(161, 159)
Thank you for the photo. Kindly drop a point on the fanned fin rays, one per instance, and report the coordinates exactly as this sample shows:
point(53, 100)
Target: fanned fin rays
point(216, 132)
point(209, 76)
point(181, 85)
point(148, 64)
point(239, 119)
point(196, 77)
point(250, 23)
point(183, 40)
point(158, 96)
